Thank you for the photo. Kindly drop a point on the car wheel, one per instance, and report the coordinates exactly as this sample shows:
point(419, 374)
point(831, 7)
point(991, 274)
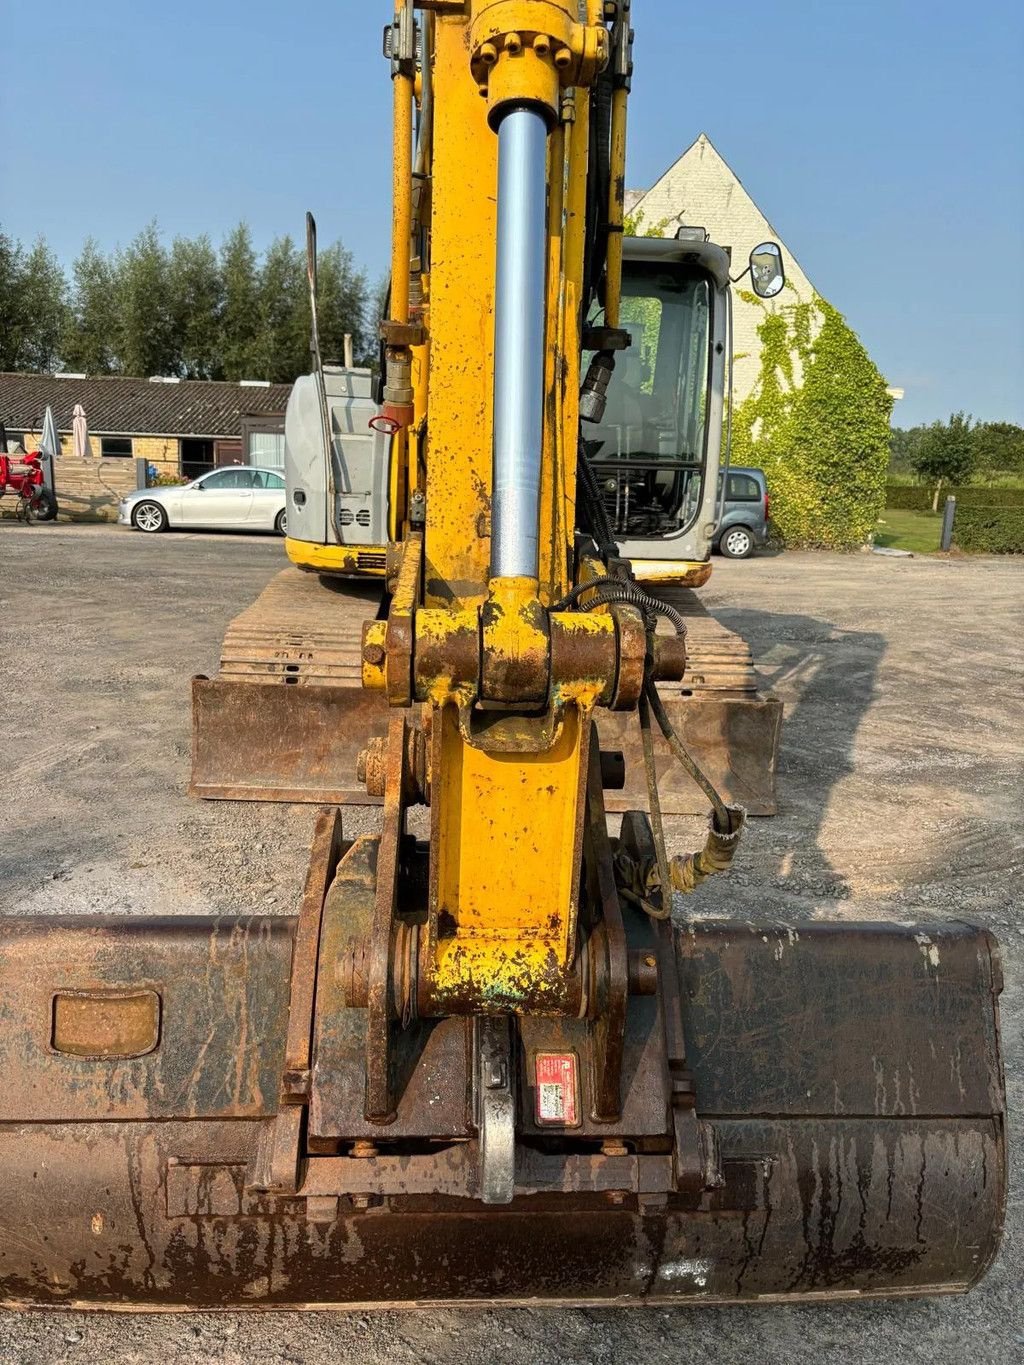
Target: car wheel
point(44, 506)
point(737, 543)
point(281, 523)
point(149, 516)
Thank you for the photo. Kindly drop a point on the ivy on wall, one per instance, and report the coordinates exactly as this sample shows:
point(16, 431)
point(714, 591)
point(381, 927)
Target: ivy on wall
point(817, 423)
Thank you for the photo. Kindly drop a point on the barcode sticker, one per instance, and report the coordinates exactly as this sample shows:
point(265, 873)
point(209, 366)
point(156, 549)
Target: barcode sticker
point(557, 1100)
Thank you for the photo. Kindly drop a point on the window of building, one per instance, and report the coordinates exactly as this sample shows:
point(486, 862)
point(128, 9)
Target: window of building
point(263, 441)
point(116, 447)
point(196, 457)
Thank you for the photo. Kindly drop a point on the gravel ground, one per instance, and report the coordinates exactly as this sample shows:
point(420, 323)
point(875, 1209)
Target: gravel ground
point(901, 791)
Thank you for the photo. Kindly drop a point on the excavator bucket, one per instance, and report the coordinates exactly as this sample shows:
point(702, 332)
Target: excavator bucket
point(286, 718)
point(172, 1086)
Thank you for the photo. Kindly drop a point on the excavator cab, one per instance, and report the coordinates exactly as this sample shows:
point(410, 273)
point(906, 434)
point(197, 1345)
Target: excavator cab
point(490, 1057)
point(657, 450)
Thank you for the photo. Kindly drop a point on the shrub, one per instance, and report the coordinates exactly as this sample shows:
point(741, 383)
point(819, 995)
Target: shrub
point(817, 423)
point(989, 530)
point(919, 499)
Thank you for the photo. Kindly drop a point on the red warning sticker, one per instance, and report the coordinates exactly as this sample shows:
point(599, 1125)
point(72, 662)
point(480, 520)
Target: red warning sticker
point(557, 1091)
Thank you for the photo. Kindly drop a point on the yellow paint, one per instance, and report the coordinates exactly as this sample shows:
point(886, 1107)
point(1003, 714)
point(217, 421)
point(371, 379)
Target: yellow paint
point(347, 561)
point(613, 287)
point(506, 785)
point(506, 858)
point(401, 189)
point(688, 573)
point(459, 387)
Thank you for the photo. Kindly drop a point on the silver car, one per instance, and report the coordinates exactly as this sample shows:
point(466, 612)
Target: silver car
point(238, 498)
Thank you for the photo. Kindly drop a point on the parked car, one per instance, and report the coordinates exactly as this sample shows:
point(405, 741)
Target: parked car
point(238, 498)
point(745, 516)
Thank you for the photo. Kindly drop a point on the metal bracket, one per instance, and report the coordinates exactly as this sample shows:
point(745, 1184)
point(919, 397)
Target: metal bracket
point(495, 1107)
point(401, 42)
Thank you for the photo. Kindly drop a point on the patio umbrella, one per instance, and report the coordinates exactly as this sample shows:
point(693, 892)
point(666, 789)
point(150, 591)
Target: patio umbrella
point(49, 442)
point(80, 437)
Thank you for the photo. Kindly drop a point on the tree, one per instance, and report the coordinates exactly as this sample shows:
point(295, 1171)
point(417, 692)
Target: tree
point(283, 313)
point(904, 444)
point(376, 312)
point(239, 318)
point(92, 329)
point(146, 341)
point(196, 291)
point(11, 266)
point(342, 304)
point(44, 294)
point(946, 454)
point(998, 448)
point(33, 305)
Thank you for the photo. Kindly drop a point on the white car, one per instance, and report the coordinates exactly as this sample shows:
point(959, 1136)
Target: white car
point(237, 498)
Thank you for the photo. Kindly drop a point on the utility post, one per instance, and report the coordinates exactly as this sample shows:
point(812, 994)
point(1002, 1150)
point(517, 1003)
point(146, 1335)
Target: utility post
point(948, 517)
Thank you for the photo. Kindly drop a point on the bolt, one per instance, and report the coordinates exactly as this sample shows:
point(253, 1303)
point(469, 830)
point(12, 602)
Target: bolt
point(374, 654)
point(614, 1147)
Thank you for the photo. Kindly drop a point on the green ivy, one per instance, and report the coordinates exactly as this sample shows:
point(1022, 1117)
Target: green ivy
point(817, 423)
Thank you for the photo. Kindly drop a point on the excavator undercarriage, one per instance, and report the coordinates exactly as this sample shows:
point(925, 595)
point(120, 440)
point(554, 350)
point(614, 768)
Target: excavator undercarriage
point(298, 737)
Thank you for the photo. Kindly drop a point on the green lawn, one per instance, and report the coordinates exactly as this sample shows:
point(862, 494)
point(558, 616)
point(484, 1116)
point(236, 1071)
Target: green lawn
point(904, 530)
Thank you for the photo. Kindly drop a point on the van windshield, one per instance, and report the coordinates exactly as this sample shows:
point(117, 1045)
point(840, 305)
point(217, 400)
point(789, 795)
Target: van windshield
point(648, 452)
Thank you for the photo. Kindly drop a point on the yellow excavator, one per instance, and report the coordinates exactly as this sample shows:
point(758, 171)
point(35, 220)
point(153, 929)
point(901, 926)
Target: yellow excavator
point(485, 1065)
point(649, 460)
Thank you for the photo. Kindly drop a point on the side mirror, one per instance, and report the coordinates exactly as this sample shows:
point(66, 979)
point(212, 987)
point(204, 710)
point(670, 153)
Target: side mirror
point(767, 271)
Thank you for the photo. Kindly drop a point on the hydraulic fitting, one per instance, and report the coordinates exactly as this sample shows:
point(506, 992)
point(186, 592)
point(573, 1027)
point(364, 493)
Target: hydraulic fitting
point(526, 51)
point(594, 394)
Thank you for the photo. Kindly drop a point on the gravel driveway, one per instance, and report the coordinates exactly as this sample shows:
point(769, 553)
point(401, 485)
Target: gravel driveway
point(901, 792)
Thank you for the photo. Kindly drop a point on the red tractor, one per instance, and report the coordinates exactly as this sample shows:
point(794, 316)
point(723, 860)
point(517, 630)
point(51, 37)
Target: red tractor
point(23, 476)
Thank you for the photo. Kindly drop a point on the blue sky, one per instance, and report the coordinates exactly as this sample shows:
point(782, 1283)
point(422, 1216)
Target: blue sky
point(883, 138)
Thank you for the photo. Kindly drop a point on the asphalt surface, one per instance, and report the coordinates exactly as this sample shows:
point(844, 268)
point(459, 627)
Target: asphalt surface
point(901, 791)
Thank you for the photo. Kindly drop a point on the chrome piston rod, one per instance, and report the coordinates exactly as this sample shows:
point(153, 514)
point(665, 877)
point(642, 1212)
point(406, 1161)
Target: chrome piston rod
point(519, 343)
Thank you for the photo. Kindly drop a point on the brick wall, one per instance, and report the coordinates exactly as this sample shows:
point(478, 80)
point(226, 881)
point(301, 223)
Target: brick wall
point(159, 450)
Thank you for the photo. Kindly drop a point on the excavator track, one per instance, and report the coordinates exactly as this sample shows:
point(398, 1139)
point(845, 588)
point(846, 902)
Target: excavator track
point(286, 717)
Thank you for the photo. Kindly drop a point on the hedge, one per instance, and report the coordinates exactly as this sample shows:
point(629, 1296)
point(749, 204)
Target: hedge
point(989, 530)
point(918, 498)
point(817, 423)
